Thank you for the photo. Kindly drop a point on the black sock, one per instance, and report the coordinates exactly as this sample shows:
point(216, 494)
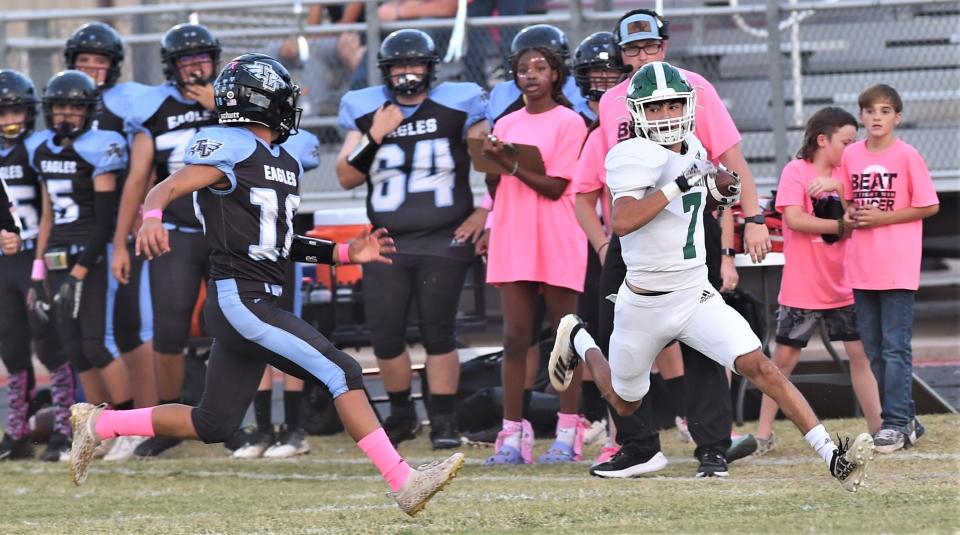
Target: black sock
point(124, 406)
point(527, 396)
point(400, 401)
point(594, 406)
point(442, 403)
point(291, 407)
point(169, 401)
point(677, 392)
point(261, 411)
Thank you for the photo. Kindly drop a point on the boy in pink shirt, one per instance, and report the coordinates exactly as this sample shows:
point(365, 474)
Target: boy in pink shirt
point(892, 193)
point(813, 289)
point(535, 243)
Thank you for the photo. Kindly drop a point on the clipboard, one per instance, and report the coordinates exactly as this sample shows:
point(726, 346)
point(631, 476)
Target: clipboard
point(528, 156)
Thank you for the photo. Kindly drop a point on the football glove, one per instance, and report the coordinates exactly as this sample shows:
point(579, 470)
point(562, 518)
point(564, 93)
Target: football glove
point(67, 300)
point(695, 174)
point(38, 304)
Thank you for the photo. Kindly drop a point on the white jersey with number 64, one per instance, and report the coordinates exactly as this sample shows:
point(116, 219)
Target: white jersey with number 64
point(667, 253)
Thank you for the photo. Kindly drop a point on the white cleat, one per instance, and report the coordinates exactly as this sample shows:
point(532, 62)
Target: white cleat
point(849, 463)
point(563, 357)
point(426, 481)
point(122, 449)
point(85, 439)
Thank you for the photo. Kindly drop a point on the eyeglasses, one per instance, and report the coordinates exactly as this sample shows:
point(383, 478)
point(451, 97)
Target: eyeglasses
point(634, 50)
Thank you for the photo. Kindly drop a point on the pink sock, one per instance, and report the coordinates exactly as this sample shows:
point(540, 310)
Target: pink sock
point(136, 422)
point(392, 467)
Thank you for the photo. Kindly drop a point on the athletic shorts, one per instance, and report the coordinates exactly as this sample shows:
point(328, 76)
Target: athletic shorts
point(433, 282)
point(645, 324)
point(795, 326)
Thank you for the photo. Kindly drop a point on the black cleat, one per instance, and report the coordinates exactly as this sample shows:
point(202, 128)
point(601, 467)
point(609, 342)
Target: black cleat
point(443, 431)
point(16, 449)
point(629, 463)
point(402, 425)
point(58, 449)
point(713, 463)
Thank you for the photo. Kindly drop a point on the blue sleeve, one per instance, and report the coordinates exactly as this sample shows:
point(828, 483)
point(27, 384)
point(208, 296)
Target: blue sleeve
point(34, 141)
point(105, 150)
point(356, 104)
point(124, 99)
point(583, 108)
point(466, 97)
point(149, 100)
point(305, 147)
point(223, 148)
point(501, 97)
point(572, 92)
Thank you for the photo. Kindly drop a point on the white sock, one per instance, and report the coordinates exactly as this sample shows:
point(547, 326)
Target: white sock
point(583, 342)
point(566, 435)
point(513, 439)
point(819, 439)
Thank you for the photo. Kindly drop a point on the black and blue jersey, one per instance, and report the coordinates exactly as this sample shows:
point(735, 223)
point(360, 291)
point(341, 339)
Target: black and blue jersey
point(23, 185)
point(419, 184)
point(68, 173)
point(305, 147)
point(249, 226)
point(506, 97)
point(171, 121)
point(116, 104)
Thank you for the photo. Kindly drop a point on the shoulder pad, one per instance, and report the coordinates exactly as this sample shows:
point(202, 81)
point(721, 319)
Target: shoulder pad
point(360, 102)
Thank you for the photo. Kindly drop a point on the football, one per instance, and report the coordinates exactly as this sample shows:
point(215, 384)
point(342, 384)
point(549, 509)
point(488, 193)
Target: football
point(723, 189)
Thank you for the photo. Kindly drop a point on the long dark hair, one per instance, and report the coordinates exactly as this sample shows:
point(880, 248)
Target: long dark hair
point(556, 64)
point(825, 121)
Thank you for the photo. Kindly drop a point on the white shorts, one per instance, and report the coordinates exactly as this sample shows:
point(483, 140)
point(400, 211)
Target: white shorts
point(644, 325)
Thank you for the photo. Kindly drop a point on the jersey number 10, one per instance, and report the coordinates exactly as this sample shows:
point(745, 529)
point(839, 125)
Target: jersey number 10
point(432, 170)
point(266, 199)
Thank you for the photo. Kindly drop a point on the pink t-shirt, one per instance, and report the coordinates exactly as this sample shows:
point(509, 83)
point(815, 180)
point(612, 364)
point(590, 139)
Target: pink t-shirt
point(887, 257)
point(533, 238)
point(590, 173)
point(714, 126)
point(813, 274)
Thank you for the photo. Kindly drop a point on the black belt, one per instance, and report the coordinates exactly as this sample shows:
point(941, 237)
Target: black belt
point(641, 291)
point(244, 285)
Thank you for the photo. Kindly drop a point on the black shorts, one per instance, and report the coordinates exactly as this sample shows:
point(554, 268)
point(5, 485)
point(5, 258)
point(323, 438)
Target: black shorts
point(250, 330)
point(795, 326)
point(16, 333)
point(84, 340)
point(175, 280)
point(132, 313)
point(433, 282)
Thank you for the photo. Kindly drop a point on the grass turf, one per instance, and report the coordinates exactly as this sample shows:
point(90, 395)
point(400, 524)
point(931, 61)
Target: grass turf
point(197, 489)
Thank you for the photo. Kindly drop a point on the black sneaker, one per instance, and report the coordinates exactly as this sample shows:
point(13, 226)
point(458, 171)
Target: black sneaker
point(154, 446)
point(443, 431)
point(630, 463)
point(404, 425)
point(713, 463)
point(16, 449)
point(742, 447)
point(58, 449)
point(484, 436)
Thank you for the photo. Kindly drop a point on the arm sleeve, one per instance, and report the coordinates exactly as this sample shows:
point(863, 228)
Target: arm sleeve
point(104, 204)
point(312, 250)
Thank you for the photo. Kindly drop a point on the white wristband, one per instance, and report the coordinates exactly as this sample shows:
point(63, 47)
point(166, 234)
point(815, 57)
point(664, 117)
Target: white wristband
point(671, 190)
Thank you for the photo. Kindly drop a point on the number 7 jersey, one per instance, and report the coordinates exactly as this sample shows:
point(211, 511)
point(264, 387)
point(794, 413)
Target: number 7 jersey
point(249, 225)
point(668, 252)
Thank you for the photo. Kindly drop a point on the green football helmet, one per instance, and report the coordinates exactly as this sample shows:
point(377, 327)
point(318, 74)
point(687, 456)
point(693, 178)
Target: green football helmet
point(655, 82)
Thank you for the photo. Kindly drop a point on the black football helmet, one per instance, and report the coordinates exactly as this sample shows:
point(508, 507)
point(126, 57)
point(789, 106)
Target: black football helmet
point(70, 88)
point(546, 35)
point(255, 88)
point(17, 91)
point(405, 47)
point(96, 38)
point(597, 51)
point(188, 40)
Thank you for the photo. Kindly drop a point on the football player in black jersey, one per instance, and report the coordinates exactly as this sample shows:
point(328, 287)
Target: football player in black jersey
point(161, 125)
point(407, 141)
point(19, 325)
point(247, 186)
point(97, 50)
point(77, 167)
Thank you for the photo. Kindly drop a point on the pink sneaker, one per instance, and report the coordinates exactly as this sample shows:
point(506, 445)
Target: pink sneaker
point(605, 454)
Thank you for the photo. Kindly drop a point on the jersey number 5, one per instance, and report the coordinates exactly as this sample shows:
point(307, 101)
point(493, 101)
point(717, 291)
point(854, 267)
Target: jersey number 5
point(266, 199)
point(432, 171)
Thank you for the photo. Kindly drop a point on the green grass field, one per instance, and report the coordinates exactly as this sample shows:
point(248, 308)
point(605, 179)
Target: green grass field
point(197, 489)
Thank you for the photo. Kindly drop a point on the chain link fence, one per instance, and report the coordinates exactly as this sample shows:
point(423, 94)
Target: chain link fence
point(837, 49)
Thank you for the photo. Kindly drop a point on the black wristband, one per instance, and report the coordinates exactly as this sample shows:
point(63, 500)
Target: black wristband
point(728, 251)
point(312, 250)
point(363, 154)
point(682, 183)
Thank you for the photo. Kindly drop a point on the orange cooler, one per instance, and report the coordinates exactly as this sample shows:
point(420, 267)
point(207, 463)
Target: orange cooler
point(341, 226)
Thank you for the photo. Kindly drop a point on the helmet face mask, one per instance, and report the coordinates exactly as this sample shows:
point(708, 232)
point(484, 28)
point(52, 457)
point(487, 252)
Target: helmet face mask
point(255, 88)
point(596, 65)
point(183, 48)
point(74, 89)
point(17, 94)
point(96, 38)
point(660, 82)
point(408, 48)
